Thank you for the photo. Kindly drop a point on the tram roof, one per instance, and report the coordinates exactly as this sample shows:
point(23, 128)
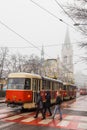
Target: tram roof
point(47, 78)
point(23, 75)
point(65, 83)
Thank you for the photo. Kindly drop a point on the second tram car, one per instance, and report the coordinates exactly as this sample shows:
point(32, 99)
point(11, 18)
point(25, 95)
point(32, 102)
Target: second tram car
point(83, 91)
point(69, 91)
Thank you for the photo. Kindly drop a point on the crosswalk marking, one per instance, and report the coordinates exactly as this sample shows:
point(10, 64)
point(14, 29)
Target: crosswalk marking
point(82, 126)
point(83, 119)
point(63, 123)
point(77, 109)
point(69, 117)
point(28, 119)
point(78, 122)
point(25, 114)
point(6, 125)
point(13, 117)
point(46, 121)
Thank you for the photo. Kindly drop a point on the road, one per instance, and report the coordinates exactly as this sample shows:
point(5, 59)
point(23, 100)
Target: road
point(74, 118)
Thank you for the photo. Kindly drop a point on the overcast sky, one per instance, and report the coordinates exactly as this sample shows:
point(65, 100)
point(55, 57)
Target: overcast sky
point(24, 26)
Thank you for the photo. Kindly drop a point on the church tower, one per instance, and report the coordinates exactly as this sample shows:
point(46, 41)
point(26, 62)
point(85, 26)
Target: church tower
point(67, 58)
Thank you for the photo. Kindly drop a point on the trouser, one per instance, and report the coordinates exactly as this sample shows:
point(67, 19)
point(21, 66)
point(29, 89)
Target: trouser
point(57, 109)
point(48, 110)
point(40, 110)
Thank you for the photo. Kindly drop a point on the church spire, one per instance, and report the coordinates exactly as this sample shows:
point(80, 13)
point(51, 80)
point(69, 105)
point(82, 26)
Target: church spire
point(67, 37)
point(67, 42)
point(67, 55)
point(42, 54)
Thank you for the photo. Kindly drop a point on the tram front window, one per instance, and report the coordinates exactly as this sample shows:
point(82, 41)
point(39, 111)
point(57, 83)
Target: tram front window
point(18, 83)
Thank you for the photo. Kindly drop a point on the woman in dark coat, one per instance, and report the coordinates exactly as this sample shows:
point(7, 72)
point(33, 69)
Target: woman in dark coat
point(47, 103)
point(39, 104)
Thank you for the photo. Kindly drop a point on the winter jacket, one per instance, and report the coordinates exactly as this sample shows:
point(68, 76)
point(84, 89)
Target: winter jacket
point(39, 102)
point(58, 100)
point(48, 102)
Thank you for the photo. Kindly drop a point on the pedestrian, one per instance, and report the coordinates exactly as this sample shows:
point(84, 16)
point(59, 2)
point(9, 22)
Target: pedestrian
point(39, 108)
point(58, 106)
point(47, 103)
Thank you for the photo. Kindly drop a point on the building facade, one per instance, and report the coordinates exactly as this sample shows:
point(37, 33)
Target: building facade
point(60, 69)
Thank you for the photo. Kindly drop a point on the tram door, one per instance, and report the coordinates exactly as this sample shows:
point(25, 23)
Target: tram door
point(36, 88)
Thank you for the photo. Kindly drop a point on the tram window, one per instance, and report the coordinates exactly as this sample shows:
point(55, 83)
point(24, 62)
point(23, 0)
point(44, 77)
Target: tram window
point(43, 84)
point(36, 84)
point(39, 84)
point(60, 86)
point(70, 88)
point(15, 83)
point(57, 86)
point(27, 84)
point(64, 87)
point(47, 85)
point(1, 86)
point(67, 88)
point(52, 86)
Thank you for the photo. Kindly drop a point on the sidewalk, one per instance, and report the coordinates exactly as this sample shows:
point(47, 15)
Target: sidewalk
point(2, 99)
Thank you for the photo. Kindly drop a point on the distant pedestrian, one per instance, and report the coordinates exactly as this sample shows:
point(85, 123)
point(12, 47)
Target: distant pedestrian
point(58, 106)
point(39, 108)
point(47, 103)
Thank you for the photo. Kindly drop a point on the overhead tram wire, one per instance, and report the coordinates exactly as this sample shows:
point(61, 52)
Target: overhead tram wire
point(49, 45)
point(6, 26)
point(75, 24)
point(64, 11)
point(35, 3)
point(18, 34)
point(55, 17)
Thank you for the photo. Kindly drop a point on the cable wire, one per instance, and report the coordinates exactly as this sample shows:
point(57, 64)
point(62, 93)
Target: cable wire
point(61, 20)
point(20, 36)
point(64, 10)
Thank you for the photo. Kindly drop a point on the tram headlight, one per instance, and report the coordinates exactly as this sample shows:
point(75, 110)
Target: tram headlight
point(29, 96)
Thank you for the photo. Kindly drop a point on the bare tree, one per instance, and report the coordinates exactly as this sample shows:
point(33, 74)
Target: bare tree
point(16, 63)
point(3, 60)
point(78, 12)
point(19, 63)
point(33, 64)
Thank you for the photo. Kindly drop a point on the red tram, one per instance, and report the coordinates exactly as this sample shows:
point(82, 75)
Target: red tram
point(69, 91)
point(22, 89)
point(83, 91)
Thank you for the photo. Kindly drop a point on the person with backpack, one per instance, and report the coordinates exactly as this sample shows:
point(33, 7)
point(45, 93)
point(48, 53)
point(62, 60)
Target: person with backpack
point(57, 106)
point(47, 103)
point(39, 104)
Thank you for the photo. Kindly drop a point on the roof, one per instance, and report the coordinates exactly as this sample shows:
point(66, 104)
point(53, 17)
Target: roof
point(56, 80)
point(23, 75)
